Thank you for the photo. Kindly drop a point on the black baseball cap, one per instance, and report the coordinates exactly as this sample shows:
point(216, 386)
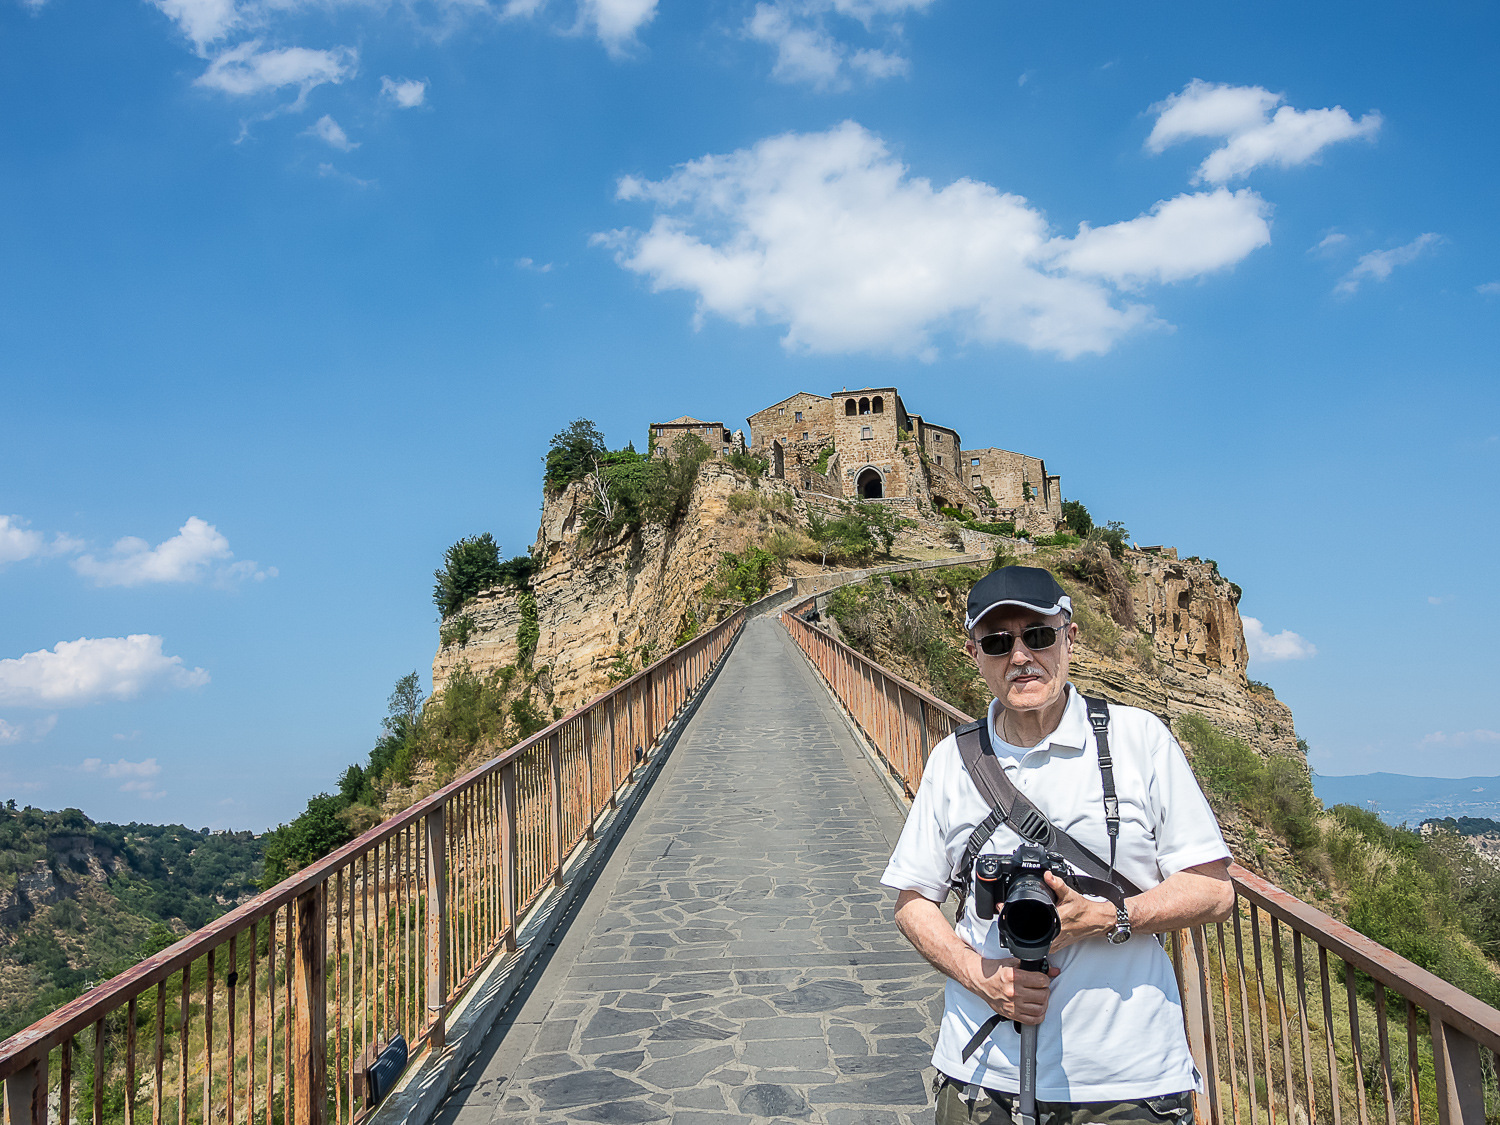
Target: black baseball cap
point(1027, 586)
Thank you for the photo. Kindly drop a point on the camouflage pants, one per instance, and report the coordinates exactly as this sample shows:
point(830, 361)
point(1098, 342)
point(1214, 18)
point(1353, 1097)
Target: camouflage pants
point(995, 1108)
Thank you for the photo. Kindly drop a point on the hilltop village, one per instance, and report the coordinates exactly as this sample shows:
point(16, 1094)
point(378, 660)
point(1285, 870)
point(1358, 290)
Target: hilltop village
point(866, 445)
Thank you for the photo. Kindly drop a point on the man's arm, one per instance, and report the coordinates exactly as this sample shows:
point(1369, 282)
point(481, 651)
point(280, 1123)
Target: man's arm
point(1013, 993)
point(1191, 897)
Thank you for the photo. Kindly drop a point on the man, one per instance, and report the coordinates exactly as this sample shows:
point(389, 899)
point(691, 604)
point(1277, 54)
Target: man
point(1111, 1045)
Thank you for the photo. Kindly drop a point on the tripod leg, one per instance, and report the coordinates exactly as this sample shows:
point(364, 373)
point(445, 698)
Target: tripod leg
point(1026, 1103)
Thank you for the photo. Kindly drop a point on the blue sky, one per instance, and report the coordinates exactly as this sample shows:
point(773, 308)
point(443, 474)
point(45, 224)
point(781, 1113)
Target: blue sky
point(293, 295)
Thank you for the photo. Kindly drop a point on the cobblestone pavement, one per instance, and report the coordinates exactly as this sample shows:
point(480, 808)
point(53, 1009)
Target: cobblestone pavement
point(739, 963)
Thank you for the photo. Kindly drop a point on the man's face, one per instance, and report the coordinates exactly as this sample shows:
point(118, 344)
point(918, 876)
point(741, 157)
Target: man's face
point(1023, 680)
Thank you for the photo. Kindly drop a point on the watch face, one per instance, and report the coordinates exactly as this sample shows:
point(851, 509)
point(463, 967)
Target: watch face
point(1118, 936)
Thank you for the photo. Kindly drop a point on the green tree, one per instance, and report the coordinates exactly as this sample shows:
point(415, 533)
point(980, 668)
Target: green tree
point(1077, 517)
point(307, 839)
point(881, 524)
point(573, 454)
point(469, 566)
point(1113, 535)
point(669, 486)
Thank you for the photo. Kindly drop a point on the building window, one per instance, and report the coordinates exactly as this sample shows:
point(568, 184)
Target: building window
point(864, 406)
point(974, 461)
point(866, 434)
point(850, 408)
point(938, 438)
point(804, 437)
point(799, 416)
point(976, 482)
point(940, 458)
point(877, 405)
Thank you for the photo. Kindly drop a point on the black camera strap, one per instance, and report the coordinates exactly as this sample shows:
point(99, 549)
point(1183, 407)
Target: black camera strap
point(1008, 805)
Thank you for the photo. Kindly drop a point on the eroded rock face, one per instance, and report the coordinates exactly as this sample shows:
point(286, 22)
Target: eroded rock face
point(629, 599)
point(1191, 615)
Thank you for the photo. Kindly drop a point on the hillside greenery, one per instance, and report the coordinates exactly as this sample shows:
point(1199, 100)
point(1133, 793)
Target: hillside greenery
point(72, 922)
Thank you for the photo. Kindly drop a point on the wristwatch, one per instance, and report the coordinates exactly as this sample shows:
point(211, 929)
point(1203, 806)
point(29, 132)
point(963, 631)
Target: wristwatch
point(1119, 933)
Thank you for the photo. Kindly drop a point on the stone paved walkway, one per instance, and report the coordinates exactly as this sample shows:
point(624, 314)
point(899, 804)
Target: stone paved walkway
point(736, 961)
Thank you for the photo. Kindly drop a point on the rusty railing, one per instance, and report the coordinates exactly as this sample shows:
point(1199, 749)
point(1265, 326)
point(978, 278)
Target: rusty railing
point(270, 1014)
point(1321, 1050)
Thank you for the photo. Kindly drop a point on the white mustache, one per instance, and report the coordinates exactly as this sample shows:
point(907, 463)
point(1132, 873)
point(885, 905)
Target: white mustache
point(1027, 670)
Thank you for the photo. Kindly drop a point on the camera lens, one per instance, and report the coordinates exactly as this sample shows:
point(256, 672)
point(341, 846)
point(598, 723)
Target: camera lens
point(1030, 917)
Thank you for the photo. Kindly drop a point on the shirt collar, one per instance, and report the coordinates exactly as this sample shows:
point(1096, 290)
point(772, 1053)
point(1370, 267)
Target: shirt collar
point(1071, 735)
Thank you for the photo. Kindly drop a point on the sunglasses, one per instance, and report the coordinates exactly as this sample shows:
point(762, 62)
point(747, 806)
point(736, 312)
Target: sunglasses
point(1034, 637)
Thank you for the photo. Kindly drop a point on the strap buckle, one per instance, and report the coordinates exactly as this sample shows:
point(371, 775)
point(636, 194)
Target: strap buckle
point(1034, 827)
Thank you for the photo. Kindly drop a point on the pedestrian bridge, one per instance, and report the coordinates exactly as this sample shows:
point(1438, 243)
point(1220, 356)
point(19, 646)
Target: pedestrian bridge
point(666, 907)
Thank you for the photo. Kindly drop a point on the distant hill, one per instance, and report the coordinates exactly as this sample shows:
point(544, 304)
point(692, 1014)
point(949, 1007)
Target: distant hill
point(82, 900)
point(1399, 798)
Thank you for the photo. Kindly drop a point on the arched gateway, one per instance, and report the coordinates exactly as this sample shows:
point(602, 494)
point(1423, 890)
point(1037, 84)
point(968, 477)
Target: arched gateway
point(870, 485)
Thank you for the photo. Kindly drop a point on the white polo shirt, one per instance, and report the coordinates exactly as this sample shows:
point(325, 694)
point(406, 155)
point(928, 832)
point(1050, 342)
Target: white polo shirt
point(1113, 1029)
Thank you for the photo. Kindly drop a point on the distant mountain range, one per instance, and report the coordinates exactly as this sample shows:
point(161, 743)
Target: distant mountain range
point(1398, 797)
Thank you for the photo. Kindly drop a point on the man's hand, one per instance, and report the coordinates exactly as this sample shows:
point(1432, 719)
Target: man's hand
point(1015, 993)
point(1081, 916)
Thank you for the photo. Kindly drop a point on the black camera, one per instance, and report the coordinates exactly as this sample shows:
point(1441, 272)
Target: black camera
point(1012, 886)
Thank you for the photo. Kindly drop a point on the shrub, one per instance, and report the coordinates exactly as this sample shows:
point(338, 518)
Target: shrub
point(747, 463)
point(469, 566)
point(741, 502)
point(1276, 790)
point(1098, 631)
point(1061, 539)
point(1006, 528)
point(528, 632)
point(821, 465)
point(787, 544)
point(457, 631)
point(743, 577)
point(1113, 535)
point(573, 454)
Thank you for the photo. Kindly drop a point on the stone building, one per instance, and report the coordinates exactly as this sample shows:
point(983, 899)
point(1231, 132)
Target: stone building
point(864, 444)
point(1012, 480)
point(714, 434)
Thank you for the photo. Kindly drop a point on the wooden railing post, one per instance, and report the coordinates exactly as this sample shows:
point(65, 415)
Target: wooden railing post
point(508, 853)
point(310, 1078)
point(1460, 1081)
point(437, 924)
point(554, 776)
point(26, 1094)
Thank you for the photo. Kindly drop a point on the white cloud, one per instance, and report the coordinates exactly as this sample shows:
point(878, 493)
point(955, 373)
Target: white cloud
point(202, 21)
point(830, 235)
point(198, 551)
point(1285, 645)
point(1329, 242)
point(246, 69)
point(535, 267)
point(616, 22)
point(807, 52)
point(1489, 288)
point(327, 130)
point(14, 733)
point(18, 542)
point(1184, 237)
point(76, 673)
point(408, 93)
point(1377, 265)
point(139, 776)
point(1252, 134)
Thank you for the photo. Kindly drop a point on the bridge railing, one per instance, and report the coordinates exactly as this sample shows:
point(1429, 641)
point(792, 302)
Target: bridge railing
point(1293, 1018)
point(273, 1012)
